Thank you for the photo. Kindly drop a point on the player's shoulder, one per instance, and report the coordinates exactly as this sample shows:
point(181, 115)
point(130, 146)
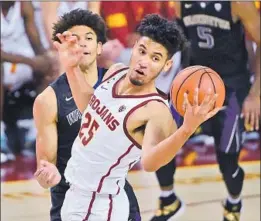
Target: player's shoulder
point(45, 103)
point(157, 108)
point(115, 68)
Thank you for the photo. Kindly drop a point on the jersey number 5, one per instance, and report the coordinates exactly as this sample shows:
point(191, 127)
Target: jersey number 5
point(89, 124)
point(205, 34)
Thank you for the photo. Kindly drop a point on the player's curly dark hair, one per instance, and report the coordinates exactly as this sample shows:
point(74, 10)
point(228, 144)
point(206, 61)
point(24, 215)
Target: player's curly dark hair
point(167, 33)
point(81, 17)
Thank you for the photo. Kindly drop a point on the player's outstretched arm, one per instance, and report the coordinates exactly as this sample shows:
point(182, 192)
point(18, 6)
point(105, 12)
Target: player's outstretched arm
point(45, 112)
point(162, 140)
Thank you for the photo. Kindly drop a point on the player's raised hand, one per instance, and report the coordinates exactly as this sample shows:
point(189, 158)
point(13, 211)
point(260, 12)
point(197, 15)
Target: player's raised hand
point(69, 51)
point(47, 175)
point(196, 114)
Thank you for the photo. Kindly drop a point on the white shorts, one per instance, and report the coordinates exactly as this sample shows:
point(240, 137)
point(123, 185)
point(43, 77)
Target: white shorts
point(79, 205)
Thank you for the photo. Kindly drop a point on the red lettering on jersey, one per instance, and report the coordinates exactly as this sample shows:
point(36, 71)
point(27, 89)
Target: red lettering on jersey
point(100, 110)
point(92, 99)
point(95, 104)
point(103, 114)
point(113, 125)
point(108, 119)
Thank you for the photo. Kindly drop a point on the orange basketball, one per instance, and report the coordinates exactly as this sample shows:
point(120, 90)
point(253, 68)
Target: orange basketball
point(192, 77)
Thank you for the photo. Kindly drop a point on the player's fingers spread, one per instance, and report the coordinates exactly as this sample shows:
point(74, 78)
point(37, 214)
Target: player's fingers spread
point(206, 98)
point(72, 40)
point(186, 101)
point(60, 37)
point(67, 35)
point(196, 97)
point(213, 101)
point(57, 45)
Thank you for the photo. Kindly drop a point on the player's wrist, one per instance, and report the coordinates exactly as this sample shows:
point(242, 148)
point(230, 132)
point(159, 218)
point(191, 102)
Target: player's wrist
point(187, 129)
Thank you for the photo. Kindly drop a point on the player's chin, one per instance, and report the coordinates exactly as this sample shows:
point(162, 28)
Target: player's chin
point(136, 82)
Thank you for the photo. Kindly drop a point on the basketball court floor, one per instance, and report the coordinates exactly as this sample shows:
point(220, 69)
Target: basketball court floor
point(200, 187)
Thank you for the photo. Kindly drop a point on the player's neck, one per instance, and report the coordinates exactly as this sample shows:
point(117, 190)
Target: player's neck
point(91, 74)
point(125, 87)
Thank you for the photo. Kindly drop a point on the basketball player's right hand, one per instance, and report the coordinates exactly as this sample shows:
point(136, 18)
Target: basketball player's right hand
point(47, 175)
point(195, 113)
point(70, 53)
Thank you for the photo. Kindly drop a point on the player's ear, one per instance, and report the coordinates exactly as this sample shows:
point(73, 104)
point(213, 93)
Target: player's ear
point(168, 65)
point(99, 48)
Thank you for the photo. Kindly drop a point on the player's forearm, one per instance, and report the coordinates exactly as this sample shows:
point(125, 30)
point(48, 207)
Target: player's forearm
point(45, 150)
point(13, 58)
point(255, 89)
point(163, 153)
point(81, 90)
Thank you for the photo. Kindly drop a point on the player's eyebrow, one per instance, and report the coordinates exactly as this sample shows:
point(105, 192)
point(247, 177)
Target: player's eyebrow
point(143, 46)
point(156, 53)
point(91, 33)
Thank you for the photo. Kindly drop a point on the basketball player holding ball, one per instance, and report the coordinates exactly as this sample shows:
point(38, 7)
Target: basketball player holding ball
point(124, 120)
point(216, 33)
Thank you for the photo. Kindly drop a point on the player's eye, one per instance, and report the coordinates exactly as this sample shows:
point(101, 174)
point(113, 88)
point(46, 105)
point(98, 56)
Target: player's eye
point(155, 58)
point(142, 51)
point(89, 39)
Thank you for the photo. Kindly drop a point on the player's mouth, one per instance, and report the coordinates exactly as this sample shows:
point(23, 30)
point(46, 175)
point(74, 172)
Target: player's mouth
point(86, 53)
point(139, 72)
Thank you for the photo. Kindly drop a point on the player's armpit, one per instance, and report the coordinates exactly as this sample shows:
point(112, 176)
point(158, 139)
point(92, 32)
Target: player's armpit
point(159, 127)
point(45, 113)
point(113, 69)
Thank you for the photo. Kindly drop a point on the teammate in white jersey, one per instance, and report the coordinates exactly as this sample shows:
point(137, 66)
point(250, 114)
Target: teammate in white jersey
point(123, 121)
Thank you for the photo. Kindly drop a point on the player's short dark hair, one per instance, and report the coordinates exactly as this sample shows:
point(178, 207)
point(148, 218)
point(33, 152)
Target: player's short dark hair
point(81, 17)
point(165, 32)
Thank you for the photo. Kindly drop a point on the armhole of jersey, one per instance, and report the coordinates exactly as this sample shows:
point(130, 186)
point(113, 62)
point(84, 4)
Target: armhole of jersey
point(57, 103)
point(130, 112)
point(115, 73)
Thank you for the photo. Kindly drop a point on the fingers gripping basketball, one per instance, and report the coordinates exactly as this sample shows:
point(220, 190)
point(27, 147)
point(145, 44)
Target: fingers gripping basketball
point(194, 77)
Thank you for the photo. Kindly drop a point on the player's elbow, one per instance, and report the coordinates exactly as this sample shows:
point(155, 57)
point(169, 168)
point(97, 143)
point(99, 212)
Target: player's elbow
point(149, 165)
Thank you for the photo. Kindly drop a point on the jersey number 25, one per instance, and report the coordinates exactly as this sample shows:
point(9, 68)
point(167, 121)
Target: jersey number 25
point(91, 126)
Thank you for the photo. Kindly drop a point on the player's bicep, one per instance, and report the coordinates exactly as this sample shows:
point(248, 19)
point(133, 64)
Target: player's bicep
point(157, 129)
point(45, 112)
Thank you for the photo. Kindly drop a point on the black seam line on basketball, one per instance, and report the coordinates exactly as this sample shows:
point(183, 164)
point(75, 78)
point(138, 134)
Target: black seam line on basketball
point(213, 86)
point(219, 78)
point(200, 79)
point(183, 83)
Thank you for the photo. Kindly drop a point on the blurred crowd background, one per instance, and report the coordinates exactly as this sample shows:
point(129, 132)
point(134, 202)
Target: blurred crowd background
point(26, 35)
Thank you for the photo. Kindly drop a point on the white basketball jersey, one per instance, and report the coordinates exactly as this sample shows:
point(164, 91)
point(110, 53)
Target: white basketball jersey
point(103, 151)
